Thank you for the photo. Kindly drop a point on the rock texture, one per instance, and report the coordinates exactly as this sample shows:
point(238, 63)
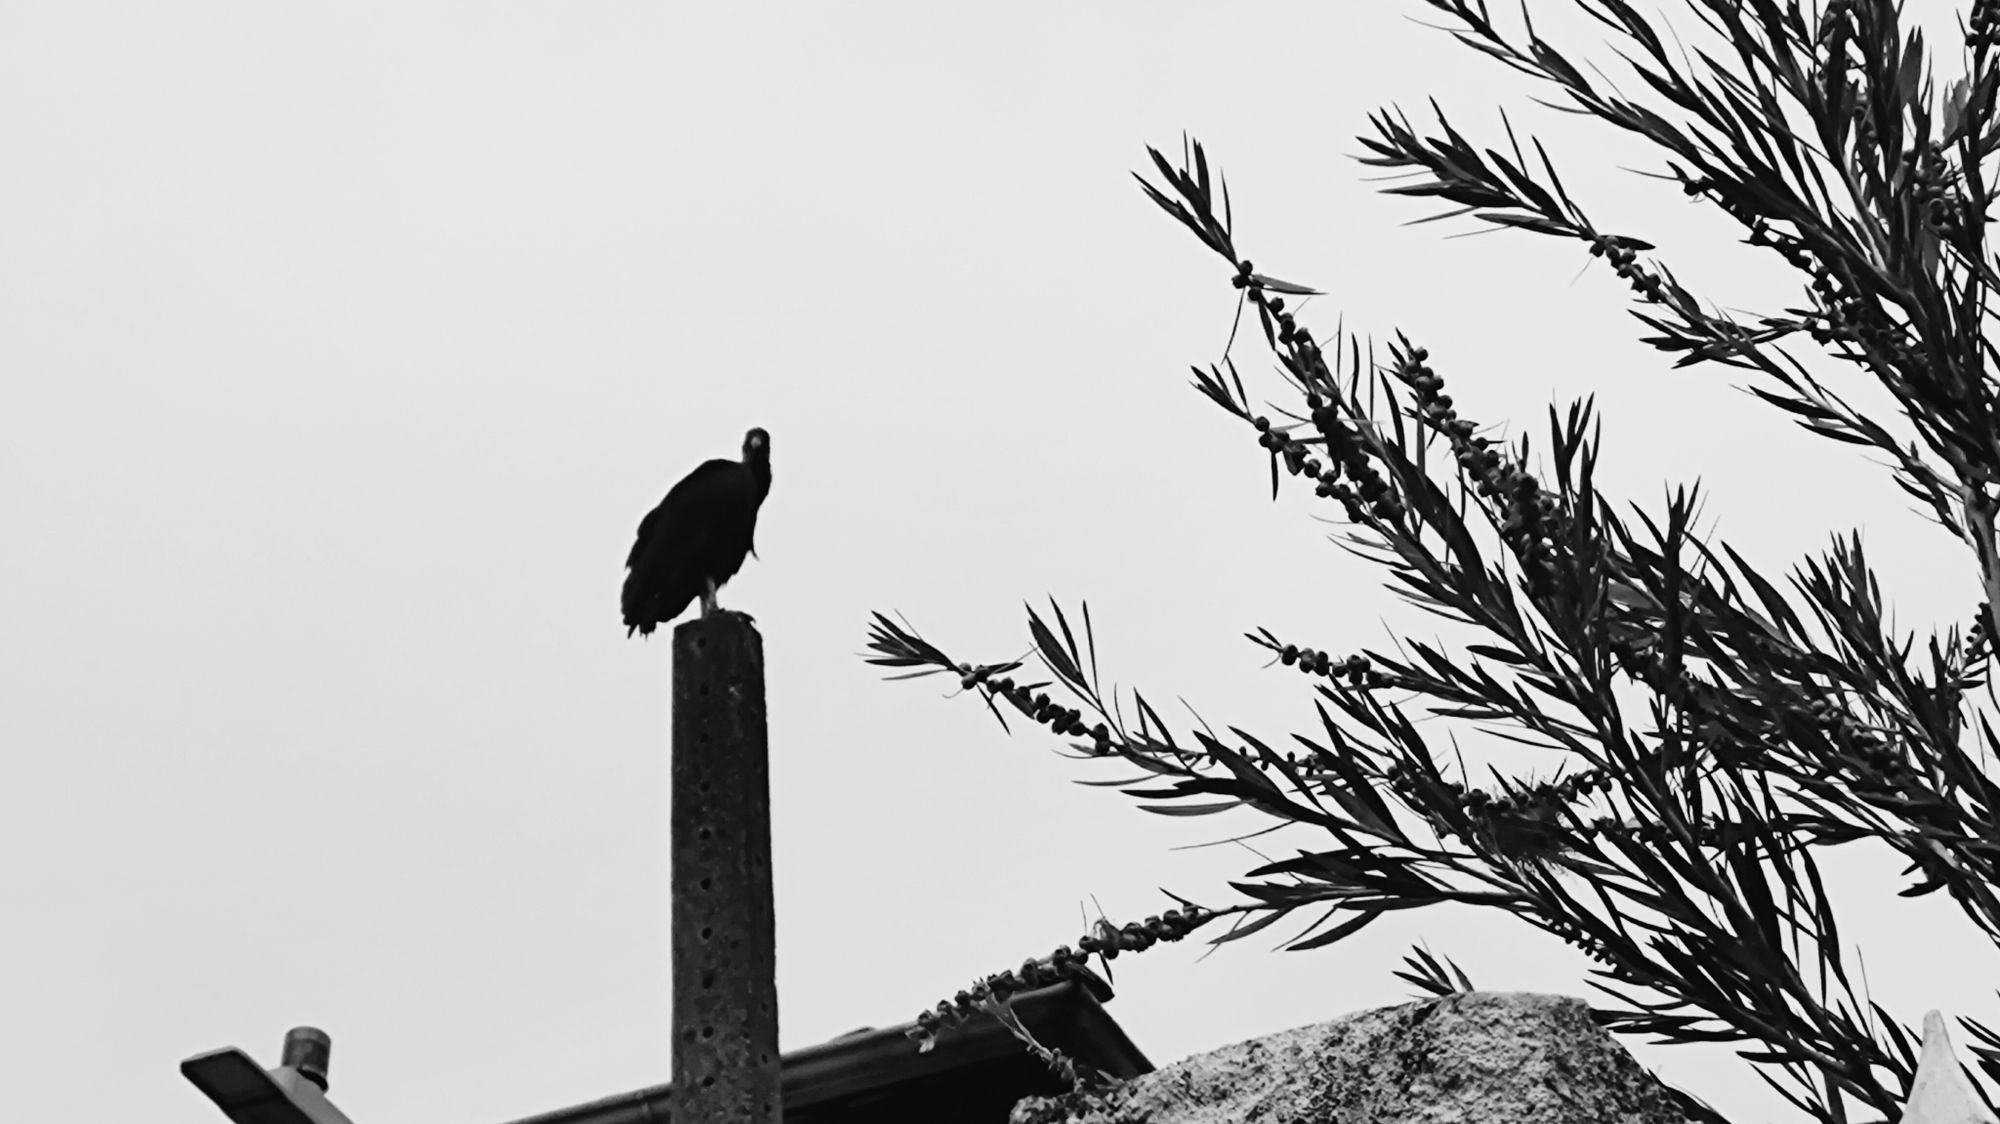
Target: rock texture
point(1472, 1058)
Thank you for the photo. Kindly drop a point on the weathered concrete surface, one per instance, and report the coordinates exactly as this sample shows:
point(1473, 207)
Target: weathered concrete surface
point(1940, 1093)
point(1473, 1058)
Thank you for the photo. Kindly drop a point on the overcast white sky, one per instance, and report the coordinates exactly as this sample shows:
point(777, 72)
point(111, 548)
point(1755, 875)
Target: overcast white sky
point(345, 345)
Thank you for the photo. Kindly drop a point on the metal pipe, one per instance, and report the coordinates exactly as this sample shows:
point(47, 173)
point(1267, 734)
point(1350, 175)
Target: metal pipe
point(308, 1049)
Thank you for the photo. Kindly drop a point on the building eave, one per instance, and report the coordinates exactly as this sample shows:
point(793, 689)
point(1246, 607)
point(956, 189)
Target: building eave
point(1068, 1016)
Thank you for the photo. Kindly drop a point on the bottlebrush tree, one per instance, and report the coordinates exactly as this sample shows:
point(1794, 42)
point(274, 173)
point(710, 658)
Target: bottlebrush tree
point(1722, 727)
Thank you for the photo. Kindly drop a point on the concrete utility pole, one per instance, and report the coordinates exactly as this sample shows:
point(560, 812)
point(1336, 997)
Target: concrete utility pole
point(725, 1032)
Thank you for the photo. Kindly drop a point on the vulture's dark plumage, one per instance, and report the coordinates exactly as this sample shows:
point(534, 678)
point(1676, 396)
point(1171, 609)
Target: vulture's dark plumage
point(696, 539)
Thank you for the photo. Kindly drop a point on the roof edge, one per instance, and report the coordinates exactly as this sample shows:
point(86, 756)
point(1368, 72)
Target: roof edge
point(1069, 1012)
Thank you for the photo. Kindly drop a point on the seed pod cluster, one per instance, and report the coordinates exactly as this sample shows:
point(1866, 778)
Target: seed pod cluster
point(1063, 721)
point(1106, 940)
point(1528, 515)
point(1348, 474)
point(1521, 823)
point(1355, 668)
point(1625, 262)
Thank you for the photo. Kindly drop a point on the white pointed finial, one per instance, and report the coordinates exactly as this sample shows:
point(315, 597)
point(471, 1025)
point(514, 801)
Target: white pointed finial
point(1940, 1093)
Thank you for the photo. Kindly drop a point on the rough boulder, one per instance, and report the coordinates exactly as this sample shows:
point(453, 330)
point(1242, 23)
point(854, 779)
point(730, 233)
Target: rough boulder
point(1472, 1058)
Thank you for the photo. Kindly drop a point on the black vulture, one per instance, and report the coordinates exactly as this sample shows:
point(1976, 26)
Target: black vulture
point(696, 539)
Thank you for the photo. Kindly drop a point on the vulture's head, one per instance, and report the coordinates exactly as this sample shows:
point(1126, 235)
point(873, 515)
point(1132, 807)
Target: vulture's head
point(756, 447)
